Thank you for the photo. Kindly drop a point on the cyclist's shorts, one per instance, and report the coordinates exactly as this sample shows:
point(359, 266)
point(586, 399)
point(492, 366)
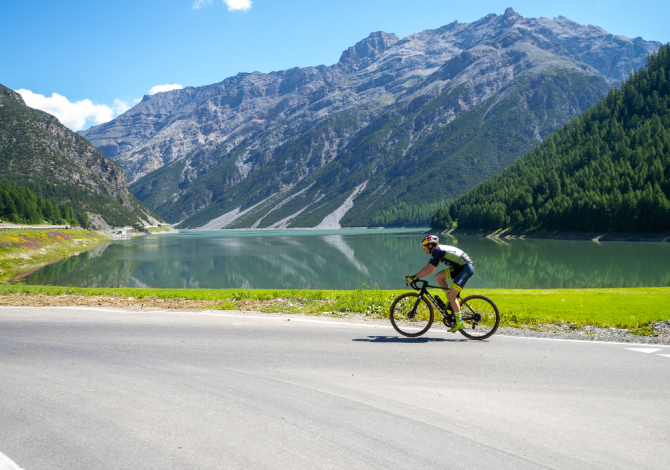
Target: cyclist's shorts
point(462, 277)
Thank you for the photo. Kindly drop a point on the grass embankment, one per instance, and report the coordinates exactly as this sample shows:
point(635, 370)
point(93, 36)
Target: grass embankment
point(158, 229)
point(24, 251)
point(632, 309)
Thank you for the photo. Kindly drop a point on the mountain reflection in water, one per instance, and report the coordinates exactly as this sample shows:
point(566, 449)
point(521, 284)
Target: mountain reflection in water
point(350, 259)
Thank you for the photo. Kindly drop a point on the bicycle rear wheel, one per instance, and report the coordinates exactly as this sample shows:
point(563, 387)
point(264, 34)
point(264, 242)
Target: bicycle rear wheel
point(411, 315)
point(480, 316)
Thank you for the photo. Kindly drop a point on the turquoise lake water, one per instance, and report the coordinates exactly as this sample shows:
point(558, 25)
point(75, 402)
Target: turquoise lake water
point(350, 259)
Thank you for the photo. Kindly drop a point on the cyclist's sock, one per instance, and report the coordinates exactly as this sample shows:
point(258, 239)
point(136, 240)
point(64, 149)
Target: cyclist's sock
point(459, 323)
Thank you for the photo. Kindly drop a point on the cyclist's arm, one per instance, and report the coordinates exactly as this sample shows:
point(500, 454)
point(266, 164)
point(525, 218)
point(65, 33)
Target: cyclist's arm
point(427, 270)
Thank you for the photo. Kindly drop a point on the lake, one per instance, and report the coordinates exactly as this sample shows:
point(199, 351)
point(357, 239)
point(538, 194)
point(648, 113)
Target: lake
point(350, 259)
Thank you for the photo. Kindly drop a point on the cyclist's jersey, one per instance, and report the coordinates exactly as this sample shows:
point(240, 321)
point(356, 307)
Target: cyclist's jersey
point(454, 258)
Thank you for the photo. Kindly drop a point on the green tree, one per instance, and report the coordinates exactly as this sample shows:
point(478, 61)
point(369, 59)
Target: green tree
point(441, 220)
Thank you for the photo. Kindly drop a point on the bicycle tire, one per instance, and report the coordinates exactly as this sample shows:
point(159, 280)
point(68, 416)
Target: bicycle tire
point(402, 319)
point(489, 319)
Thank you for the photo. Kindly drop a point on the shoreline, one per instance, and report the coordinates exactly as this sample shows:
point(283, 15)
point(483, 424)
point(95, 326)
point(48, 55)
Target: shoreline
point(596, 237)
point(504, 234)
point(25, 251)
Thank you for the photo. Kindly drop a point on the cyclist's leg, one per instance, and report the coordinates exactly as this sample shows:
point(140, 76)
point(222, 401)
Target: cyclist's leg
point(452, 296)
point(457, 286)
point(441, 279)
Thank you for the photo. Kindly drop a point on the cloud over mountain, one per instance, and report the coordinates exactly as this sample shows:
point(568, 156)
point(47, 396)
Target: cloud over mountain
point(74, 114)
point(161, 88)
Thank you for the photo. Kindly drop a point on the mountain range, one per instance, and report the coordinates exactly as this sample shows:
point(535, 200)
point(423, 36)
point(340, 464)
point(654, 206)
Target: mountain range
point(606, 172)
point(394, 128)
point(39, 153)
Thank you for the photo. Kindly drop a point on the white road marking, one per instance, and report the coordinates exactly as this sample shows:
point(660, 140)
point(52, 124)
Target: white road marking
point(7, 464)
point(664, 355)
point(80, 308)
point(323, 322)
point(645, 350)
point(579, 340)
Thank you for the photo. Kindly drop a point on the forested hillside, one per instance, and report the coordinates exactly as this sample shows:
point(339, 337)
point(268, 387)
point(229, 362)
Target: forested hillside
point(22, 206)
point(39, 153)
point(606, 170)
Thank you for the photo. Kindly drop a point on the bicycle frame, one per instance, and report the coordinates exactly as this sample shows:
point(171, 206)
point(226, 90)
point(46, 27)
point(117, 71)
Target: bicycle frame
point(424, 291)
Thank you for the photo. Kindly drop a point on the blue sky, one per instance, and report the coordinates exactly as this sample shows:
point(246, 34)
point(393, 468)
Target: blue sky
point(106, 55)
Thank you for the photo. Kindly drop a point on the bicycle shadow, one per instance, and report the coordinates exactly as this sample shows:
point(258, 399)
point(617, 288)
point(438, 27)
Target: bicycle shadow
point(402, 339)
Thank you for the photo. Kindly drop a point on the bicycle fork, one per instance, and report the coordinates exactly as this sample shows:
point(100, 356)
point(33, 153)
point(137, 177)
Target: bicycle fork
point(412, 314)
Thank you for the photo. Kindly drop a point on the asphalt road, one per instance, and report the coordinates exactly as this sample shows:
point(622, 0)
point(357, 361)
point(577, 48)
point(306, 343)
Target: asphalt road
point(104, 389)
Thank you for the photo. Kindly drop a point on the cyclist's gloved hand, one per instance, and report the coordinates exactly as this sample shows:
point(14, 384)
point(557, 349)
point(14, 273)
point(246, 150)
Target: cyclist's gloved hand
point(410, 279)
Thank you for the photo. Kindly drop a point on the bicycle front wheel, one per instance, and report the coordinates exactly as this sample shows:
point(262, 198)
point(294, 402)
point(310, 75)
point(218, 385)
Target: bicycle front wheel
point(411, 315)
point(480, 316)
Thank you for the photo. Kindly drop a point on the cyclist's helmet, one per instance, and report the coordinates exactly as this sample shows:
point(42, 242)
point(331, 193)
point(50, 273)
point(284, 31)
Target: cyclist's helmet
point(430, 239)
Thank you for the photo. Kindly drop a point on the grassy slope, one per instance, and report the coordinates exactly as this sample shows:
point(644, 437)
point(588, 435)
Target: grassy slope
point(158, 229)
point(619, 308)
point(24, 251)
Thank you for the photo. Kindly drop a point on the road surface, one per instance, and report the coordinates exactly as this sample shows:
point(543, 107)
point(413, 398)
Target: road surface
point(84, 388)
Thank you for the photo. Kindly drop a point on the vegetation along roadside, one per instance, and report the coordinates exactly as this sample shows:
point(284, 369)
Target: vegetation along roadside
point(22, 252)
point(638, 311)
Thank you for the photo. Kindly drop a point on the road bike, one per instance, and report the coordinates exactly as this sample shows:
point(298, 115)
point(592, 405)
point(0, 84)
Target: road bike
point(411, 314)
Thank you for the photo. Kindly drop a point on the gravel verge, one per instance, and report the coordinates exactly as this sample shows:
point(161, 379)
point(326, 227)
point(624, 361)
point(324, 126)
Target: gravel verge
point(660, 334)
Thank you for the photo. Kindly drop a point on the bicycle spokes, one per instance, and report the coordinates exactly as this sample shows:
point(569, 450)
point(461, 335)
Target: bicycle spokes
point(480, 316)
point(411, 315)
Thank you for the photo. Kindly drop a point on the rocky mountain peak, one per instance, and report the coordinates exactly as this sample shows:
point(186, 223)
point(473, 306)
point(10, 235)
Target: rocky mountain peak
point(364, 52)
point(510, 17)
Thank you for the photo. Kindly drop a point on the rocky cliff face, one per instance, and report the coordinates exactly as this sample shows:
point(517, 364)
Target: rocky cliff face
point(397, 123)
point(40, 153)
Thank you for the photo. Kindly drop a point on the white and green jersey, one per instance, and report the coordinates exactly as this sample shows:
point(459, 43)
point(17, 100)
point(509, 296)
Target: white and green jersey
point(451, 256)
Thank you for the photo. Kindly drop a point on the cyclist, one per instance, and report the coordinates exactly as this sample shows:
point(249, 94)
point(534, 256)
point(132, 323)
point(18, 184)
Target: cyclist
point(459, 268)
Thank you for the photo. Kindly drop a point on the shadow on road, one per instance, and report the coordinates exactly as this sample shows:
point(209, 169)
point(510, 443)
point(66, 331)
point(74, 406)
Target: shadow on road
point(401, 339)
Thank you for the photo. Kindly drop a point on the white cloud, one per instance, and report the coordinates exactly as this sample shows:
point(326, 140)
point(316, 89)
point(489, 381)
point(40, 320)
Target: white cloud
point(121, 106)
point(82, 114)
point(198, 4)
point(233, 5)
point(76, 114)
point(160, 88)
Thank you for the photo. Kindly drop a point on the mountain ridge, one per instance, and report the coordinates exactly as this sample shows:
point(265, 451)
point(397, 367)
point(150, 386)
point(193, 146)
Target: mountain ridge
point(211, 148)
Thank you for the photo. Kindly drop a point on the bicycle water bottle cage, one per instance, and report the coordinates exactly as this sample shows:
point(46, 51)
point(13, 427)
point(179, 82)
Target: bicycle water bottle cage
point(440, 303)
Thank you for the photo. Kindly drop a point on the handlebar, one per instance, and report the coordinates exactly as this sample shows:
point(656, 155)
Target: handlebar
point(423, 285)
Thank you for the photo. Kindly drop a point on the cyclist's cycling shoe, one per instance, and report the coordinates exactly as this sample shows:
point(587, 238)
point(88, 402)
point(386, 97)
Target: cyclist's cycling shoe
point(459, 324)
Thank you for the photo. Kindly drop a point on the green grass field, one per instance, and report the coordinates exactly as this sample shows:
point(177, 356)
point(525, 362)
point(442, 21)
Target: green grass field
point(632, 309)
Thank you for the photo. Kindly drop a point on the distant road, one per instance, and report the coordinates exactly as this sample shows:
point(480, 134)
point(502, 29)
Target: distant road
point(113, 389)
